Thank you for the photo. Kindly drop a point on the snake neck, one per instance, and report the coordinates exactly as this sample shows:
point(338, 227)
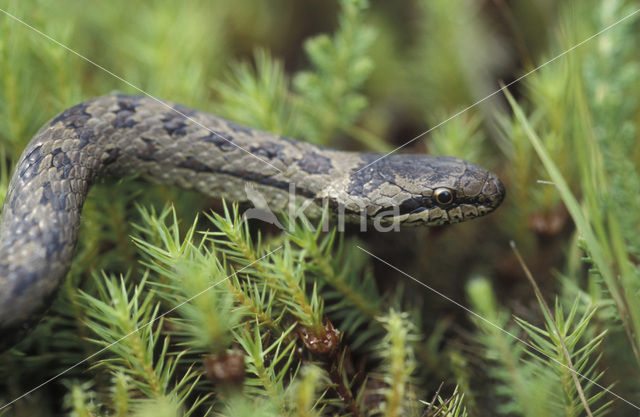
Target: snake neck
point(174, 145)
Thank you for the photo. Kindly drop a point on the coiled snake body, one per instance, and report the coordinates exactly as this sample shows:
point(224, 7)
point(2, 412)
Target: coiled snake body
point(115, 136)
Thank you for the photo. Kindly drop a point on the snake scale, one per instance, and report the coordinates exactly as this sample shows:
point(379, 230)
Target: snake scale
point(166, 143)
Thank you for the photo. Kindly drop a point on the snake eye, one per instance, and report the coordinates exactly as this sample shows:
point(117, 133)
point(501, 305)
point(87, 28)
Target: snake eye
point(443, 196)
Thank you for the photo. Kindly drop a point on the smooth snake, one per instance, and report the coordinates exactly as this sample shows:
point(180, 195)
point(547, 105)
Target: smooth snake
point(166, 143)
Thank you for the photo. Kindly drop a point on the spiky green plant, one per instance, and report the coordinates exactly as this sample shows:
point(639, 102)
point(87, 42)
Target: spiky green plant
point(219, 288)
point(451, 407)
point(398, 366)
point(536, 369)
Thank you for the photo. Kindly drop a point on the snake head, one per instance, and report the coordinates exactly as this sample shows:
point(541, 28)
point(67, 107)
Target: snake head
point(427, 190)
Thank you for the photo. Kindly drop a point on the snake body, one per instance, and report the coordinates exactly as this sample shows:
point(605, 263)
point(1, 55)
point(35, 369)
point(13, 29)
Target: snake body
point(119, 135)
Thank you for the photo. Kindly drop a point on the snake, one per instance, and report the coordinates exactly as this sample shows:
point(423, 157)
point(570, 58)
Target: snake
point(118, 136)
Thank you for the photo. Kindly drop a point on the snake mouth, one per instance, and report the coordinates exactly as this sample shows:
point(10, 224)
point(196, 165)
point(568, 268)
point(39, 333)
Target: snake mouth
point(436, 216)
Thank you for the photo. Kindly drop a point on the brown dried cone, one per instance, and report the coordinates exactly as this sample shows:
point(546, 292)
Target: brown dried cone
point(325, 344)
point(226, 368)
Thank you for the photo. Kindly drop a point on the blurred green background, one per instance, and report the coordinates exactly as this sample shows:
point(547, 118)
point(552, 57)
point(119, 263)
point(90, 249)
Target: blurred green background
point(372, 76)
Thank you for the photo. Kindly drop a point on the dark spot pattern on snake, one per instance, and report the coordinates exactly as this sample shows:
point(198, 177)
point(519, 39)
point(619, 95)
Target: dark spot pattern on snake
point(269, 150)
point(74, 117)
point(112, 155)
point(222, 140)
point(193, 164)
point(236, 128)
point(148, 151)
point(314, 163)
point(174, 124)
point(31, 164)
